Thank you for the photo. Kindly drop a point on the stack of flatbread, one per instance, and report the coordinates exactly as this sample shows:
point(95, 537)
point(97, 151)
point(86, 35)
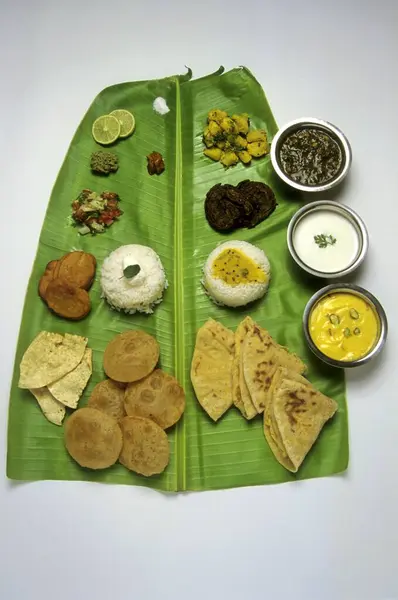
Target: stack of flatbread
point(251, 370)
point(56, 369)
point(294, 417)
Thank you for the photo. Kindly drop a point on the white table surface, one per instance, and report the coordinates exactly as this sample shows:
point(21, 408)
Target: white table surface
point(333, 538)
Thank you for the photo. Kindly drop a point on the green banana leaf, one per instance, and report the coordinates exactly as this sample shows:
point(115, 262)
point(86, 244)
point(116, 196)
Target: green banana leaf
point(166, 212)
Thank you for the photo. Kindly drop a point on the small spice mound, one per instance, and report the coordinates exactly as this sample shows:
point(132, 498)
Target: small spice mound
point(229, 207)
point(155, 163)
point(104, 162)
point(310, 156)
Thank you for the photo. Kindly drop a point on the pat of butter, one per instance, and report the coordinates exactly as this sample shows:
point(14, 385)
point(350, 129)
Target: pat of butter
point(138, 279)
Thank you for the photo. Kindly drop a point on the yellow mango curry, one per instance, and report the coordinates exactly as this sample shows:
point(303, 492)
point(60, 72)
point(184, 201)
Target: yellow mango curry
point(235, 268)
point(344, 326)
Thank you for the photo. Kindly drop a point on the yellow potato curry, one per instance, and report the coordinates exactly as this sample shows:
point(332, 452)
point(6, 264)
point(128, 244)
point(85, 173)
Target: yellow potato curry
point(344, 326)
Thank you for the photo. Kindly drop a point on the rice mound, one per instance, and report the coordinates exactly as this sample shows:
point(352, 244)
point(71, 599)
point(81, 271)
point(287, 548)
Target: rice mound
point(139, 294)
point(239, 295)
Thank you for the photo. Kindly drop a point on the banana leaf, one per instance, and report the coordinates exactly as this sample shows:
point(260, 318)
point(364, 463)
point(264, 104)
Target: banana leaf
point(166, 212)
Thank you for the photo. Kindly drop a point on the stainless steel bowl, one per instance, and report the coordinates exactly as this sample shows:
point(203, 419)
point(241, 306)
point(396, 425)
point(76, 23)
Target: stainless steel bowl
point(328, 128)
point(365, 295)
point(349, 214)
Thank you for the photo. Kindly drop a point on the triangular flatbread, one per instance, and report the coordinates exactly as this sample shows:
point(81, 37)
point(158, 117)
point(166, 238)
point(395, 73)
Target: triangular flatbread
point(70, 387)
point(300, 413)
point(53, 410)
point(271, 431)
point(240, 393)
point(211, 368)
point(261, 358)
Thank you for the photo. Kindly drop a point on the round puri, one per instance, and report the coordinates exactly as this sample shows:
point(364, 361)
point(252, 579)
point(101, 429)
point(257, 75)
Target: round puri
point(67, 300)
point(145, 446)
point(77, 268)
point(92, 438)
point(158, 397)
point(130, 356)
point(108, 397)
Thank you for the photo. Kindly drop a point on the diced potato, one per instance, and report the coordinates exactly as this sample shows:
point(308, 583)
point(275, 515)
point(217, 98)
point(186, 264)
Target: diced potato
point(216, 115)
point(244, 156)
point(257, 135)
point(208, 138)
point(242, 123)
point(213, 153)
point(228, 125)
point(221, 144)
point(257, 149)
point(214, 128)
point(240, 141)
point(229, 158)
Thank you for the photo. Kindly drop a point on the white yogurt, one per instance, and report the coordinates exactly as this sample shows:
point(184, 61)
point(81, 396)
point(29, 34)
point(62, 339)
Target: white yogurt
point(333, 225)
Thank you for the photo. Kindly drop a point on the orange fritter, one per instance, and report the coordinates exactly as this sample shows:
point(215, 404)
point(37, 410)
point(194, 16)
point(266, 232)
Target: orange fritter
point(67, 300)
point(77, 268)
point(47, 276)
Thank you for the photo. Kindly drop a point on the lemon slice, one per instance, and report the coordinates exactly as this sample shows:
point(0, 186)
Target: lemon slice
point(106, 129)
point(126, 120)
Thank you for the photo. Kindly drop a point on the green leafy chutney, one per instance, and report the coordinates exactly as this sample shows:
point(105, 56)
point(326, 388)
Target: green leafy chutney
point(310, 156)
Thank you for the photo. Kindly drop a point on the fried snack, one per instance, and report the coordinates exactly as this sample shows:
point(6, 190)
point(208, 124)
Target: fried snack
point(49, 357)
point(145, 446)
point(130, 356)
point(211, 368)
point(53, 410)
point(77, 268)
point(108, 397)
point(67, 300)
point(47, 276)
point(92, 438)
point(70, 387)
point(158, 397)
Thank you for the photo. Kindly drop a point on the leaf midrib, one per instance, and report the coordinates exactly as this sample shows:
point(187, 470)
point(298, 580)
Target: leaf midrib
point(179, 309)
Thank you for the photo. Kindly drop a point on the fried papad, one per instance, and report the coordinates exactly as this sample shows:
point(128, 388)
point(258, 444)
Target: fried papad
point(53, 410)
point(49, 357)
point(69, 389)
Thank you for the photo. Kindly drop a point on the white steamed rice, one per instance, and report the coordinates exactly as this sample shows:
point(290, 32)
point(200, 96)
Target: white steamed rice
point(140, 293)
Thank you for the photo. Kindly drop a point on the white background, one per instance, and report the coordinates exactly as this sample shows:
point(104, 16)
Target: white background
point(334, 538)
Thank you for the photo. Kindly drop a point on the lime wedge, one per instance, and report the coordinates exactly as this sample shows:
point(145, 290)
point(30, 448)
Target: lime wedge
point(106, 129)
point(126, 120)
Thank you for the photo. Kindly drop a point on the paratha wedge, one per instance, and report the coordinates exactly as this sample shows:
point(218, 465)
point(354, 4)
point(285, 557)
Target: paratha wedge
point(271, 431)
point(300, 412)
point(240, 392)
point(211, 368)
point(261, 357)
